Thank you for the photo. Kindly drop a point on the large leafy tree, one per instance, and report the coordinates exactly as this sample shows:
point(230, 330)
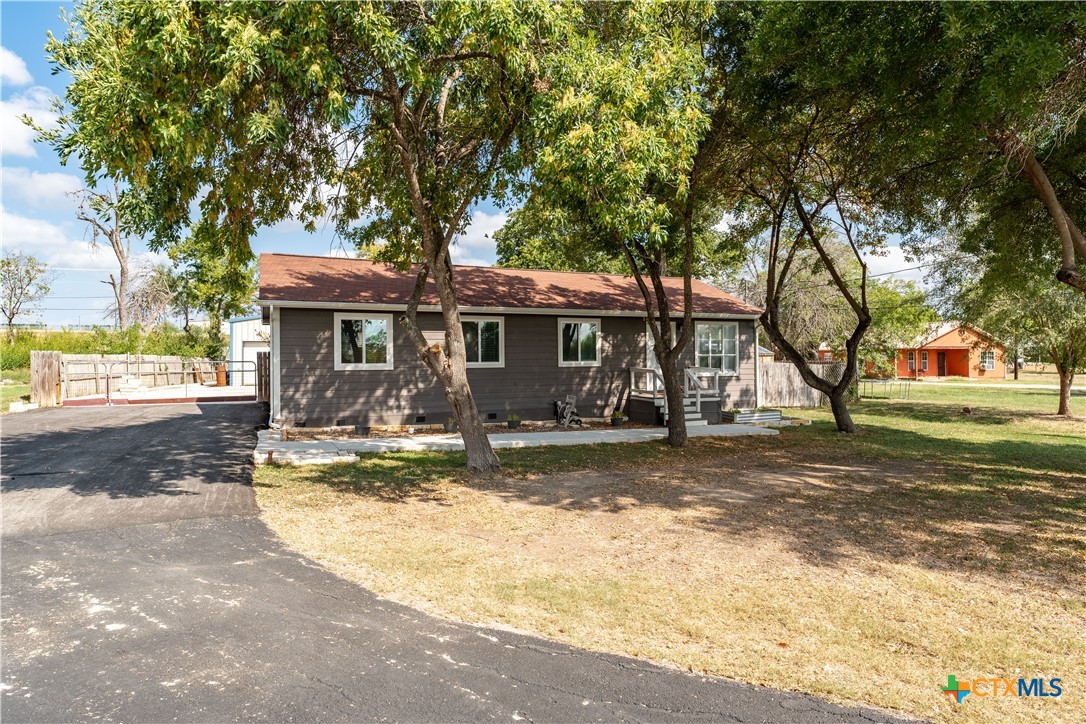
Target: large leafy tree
point(24, 281)
point(625, 126)
point(815, 156)
point(396, 118)
point(206, 281)
point(1011, 299)
point(981, 95)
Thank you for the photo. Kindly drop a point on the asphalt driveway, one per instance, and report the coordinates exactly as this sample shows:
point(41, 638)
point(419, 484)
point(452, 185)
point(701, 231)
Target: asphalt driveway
point(138, 584)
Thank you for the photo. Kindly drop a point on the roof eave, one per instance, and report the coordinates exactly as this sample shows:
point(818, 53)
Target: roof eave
point(300, 304)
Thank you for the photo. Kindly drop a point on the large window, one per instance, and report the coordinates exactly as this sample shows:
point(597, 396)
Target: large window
point(363, 341)
point(912, 361)
point(924, 360)
point(484, 340)
point(578, 342)
point(716, 346)
point(987, 360)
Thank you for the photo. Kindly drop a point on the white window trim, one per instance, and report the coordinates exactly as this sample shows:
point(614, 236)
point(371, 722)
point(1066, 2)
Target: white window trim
point(912, 360)
point(984, 366)
point(599, 340)
point(738, 355)
point(501, 342)
point(924, 361)
point(337, 337)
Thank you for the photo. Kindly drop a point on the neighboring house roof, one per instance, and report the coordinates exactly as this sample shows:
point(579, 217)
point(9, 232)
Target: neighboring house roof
point(763, 352)
point(315, 280)
point(935, 330)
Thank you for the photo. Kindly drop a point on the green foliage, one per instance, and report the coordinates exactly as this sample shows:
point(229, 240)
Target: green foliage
point(24, 281)
point(623, 122)
point(206, 280)
point(264, 111)
point(900, 312)
point(162, 340)
point(540, 235)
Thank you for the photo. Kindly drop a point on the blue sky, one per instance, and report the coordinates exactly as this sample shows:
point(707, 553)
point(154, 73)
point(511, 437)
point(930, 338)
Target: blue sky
point(38, 217)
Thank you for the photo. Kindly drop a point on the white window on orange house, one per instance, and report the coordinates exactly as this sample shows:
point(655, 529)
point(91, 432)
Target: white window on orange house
point(987, 360)
point(912, 361)
point(924, 361)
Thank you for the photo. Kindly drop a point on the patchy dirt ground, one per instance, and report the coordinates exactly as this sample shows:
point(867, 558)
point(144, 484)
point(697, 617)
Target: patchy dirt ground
point(865, 581)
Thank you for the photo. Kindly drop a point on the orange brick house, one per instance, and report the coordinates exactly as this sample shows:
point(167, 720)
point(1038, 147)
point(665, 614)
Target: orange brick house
point(945, 349)
point(953, 349)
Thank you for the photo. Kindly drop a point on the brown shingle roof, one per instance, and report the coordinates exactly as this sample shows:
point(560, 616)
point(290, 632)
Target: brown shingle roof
point(313, 279)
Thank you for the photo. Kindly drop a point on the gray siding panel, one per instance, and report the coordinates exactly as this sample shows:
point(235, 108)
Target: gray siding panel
point(314, 392)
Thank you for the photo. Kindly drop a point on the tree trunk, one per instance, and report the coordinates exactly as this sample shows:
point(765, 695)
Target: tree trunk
point(673, 391)
point(1067, 377)
point(481, 457)
point(839, 408)
point(1071, 239)
point(122, 296)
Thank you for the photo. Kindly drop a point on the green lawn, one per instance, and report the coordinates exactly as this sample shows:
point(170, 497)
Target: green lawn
point(862, 568)
point(19, 389)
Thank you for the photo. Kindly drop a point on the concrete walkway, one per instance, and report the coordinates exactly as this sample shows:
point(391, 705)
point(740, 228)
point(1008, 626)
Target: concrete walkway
point(317, 452)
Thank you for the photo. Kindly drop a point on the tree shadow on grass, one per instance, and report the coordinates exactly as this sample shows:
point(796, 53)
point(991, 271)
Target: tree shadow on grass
point(1004, 507)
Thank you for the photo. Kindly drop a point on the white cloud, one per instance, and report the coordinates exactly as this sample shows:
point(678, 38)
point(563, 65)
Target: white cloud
point(50, 243)
point(40, 190)
point(12, 69)
point(476, 246)
point(16, 138)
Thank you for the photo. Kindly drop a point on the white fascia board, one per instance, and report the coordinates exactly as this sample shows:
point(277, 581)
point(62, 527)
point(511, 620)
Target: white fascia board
point(490, 310)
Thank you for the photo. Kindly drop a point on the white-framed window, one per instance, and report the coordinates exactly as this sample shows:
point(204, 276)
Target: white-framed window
point(912, 361)
point(363, 341)
point(484, 341)
point(924, 360)
point(987, 359)
point(578, 342)
point(716, 345)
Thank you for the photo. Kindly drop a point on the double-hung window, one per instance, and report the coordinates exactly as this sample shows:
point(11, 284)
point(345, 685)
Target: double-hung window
point(912, 361)
point(484, 341)
point(363, 341)
point(716, 346)
point(987, 360)
point(578, 342)
point(924, 361)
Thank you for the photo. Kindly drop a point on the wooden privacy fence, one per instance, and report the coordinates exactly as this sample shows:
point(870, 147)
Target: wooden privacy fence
point(782, 386)
point(263, 376)
point(82, 375)
point(45, 386)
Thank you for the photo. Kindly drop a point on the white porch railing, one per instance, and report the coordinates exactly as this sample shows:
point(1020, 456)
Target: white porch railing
point(646, 382)
point(699, 383)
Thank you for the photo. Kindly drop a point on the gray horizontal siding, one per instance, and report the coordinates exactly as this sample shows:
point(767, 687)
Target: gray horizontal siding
point(314, 392)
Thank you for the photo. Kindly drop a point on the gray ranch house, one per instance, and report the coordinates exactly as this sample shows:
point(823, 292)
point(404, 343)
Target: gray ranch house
point(340, 357)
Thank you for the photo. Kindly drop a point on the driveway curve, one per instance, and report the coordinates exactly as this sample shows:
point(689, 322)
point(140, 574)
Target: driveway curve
point(138, 584)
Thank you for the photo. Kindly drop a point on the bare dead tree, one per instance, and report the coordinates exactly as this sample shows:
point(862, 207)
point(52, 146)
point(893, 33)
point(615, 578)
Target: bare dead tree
point(101, 211)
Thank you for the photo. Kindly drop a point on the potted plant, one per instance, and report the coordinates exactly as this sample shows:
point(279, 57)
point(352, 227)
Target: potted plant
point(617, 418)
point(450, 425)
point(513, 422)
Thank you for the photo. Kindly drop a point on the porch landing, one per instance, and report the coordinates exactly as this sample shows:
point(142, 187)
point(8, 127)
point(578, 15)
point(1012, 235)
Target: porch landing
point(316, 452)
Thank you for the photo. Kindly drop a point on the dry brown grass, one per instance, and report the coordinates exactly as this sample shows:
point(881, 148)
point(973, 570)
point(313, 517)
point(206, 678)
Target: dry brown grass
point(768, 561)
